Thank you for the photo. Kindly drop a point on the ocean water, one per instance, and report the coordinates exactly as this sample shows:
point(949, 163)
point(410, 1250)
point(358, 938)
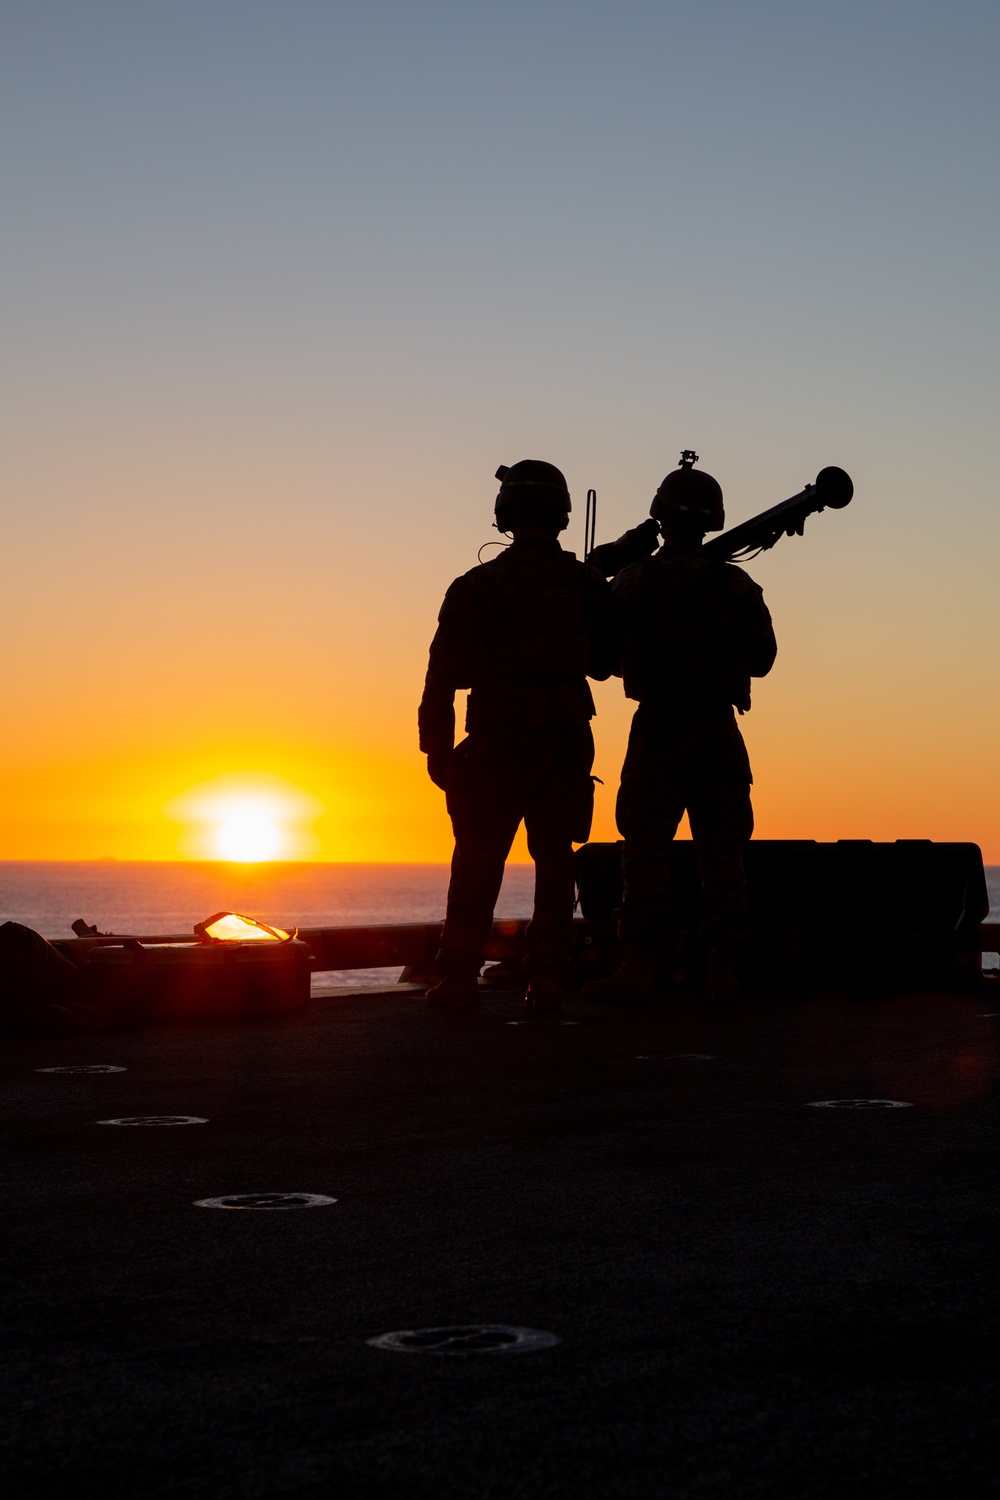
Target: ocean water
point(152, 899)
point(160, 899)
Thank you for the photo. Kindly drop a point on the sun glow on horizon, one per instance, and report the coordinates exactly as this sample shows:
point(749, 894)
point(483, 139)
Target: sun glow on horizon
point(246, 820)
point(248, 830)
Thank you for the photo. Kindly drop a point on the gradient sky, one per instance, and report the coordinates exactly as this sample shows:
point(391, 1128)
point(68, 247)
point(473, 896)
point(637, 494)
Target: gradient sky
point(286, 281)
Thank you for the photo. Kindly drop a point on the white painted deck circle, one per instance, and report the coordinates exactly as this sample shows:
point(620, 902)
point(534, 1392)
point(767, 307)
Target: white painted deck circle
point(269, 1202)
point(85, 1068)
point(859, 1104)
point(466, 1339)
point(156, 1120)
point(677, 1057)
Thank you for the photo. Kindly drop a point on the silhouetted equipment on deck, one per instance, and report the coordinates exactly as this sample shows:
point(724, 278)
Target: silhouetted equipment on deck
point(832, 490)
point(39, 986)
point(198, 981)
point(87, 929)
point(852, 914)
point(231, 927)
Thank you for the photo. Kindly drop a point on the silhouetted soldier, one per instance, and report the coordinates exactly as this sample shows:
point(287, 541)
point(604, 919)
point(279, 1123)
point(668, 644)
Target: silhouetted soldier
point(694, 632)
point(522, 632)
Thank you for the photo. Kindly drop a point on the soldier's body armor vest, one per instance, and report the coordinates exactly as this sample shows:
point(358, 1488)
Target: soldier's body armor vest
point(685, 633)
point(529, 662)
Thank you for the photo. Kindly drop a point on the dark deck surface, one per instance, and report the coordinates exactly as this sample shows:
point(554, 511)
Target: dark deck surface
point(755, 1298)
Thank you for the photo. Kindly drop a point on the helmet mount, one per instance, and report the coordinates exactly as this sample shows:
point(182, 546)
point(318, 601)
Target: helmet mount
point(691, 495)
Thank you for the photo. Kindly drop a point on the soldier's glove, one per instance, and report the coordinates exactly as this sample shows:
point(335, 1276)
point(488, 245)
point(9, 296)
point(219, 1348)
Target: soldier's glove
point(438, 766)
point(632, 546)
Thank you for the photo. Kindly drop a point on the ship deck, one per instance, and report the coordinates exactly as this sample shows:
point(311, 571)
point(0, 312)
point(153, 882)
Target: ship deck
point(754, 1297)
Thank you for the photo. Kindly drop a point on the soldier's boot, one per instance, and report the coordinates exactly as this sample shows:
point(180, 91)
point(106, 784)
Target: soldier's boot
point(546, 992)
point(504, 975)
point(455, 992)
point(721, 980)
point(633, 983)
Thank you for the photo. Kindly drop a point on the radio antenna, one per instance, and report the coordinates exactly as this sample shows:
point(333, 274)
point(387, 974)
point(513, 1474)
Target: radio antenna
point(590, 524)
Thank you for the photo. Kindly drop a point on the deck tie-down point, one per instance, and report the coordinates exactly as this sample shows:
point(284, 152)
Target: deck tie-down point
point(859, 1104)
point(85, 1068)
point(280, 1201)
point(470, 1338)
point(677, 1057)
point(156, 1120)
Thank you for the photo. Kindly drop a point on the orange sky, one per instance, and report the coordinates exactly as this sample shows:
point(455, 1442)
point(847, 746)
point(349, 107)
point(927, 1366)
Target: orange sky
point(147, 671)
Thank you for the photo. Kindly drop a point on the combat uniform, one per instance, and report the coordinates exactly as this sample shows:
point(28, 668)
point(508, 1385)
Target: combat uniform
point(522, 633)
point(694, 632)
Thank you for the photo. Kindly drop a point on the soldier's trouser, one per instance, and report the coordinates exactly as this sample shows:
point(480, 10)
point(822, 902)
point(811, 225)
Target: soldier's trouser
point(491, 788)
point(695, 762)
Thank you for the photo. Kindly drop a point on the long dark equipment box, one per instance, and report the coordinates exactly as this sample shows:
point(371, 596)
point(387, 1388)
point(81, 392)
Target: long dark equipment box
point(853, 913)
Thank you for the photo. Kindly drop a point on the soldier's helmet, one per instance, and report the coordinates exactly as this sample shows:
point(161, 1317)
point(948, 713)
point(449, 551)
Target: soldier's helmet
point(688, 491)
point(532, 485)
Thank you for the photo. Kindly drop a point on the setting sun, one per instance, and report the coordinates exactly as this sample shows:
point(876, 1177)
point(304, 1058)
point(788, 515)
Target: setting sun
point(246, 820)
point(248, 830)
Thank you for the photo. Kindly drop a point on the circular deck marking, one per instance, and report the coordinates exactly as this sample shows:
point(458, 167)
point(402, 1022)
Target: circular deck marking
point(859, 1104)
point(466, 1338)
point(85, 1068)
point(268, 1201)
point(156, 1120)
point(677, 1057)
